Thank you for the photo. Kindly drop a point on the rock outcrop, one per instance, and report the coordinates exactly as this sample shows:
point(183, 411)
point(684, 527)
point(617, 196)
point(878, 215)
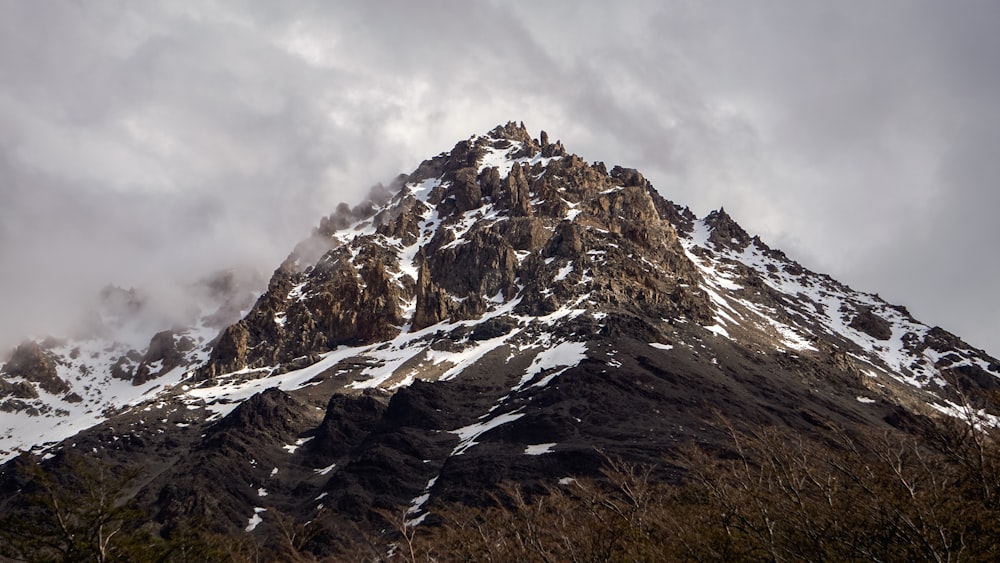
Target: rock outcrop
point(479, 235)
point(31, 363)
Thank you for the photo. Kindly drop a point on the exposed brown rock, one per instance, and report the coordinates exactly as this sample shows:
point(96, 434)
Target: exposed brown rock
point(725, 232)
point(871, 324)
point(17, 390)
point(379, 314)
point(165, 349)
point(629, 177)
point(230, 351)
point(483, 266)
point(34, 364)
point(513, 132)
point(403, 220)
point(489, 181)
point(525, 233)
point(567, 241)
point(123, 369)
point(516, 194)
point(465, 189)
point(432, 301)
point(682, 218)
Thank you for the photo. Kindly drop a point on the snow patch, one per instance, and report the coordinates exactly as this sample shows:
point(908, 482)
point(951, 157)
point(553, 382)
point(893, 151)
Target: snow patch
point(290, 448)
point(539, 449)
point(467, 434)
point(568, 354)
point(254, 520)
point(718, 330)
point(563, 272)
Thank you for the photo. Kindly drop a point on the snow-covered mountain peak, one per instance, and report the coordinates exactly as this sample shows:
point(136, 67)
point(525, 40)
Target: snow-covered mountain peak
point(501, 226)
point(507, 311)
point(508, 231)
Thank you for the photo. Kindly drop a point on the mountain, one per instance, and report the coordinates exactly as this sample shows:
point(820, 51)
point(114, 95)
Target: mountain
point(505, 313)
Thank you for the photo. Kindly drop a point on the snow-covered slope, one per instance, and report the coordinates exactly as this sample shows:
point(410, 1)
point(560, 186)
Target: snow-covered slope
point(52, 388)
point(759, 291)
point(86, 365)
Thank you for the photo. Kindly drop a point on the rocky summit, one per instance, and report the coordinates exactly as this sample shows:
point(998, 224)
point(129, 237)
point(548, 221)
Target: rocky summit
point(506, 313)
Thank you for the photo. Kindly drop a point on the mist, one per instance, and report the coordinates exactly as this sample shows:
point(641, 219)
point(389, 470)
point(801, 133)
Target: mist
point(149, 145)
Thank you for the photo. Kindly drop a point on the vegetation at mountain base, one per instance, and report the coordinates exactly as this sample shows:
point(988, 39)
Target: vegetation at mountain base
point(78, 509)
point(75, 512)
point(771, 495)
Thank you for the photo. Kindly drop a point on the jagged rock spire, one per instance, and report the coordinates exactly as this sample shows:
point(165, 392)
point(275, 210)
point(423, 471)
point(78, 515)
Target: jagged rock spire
point(726, 232)
point(500, 216)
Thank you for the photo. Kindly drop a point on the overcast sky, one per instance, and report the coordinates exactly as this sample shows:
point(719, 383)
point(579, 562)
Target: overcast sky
point(144, 143)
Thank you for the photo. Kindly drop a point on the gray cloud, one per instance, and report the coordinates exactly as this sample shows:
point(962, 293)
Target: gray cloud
point(149, 143)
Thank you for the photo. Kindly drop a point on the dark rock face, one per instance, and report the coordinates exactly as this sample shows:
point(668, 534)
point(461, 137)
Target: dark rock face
point(347, 423)
point(349, 296)
point(31, 362)
point(725, 232)
point(17, 390)
point(872, 325)
point(166, 352)
point(230, 351)
point(165, 348)
point(14, 396)
point(214, 482)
